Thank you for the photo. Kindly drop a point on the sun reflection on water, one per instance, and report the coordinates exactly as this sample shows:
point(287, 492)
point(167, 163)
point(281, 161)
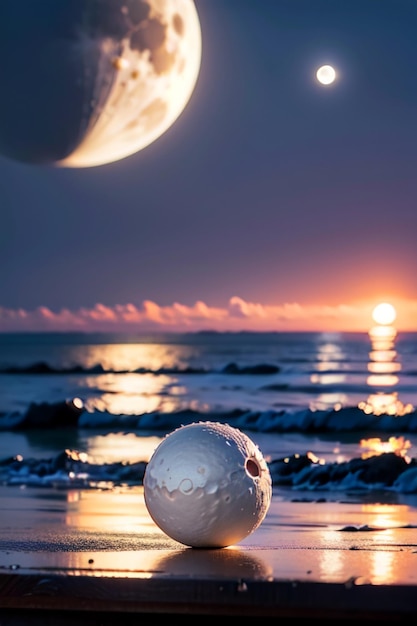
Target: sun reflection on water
point(129, 357)
point(375, 446)
point(383, 376)
point(334, 374)
point(382, 566)
point(121, 447)
point(113, 511)
point(130, 394)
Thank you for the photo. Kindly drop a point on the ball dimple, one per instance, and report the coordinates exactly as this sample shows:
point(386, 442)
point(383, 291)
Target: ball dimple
point(217, 489)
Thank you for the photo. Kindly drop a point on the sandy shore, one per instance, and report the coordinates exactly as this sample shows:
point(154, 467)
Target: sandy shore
point(318, 558)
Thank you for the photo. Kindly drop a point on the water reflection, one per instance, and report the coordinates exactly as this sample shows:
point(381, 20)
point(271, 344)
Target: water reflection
point(114, 511)
point(384, 369)
point(121, 447)
point(102, 533)
point(344, 378)
point(231, 562)
point(374, 446)
point(331, 372)
point(118, 519)
point(137, 378)
point(129, 394)
point(131, 356)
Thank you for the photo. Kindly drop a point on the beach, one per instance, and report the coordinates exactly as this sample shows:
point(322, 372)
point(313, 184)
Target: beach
point(77, 542)
point(85, 554)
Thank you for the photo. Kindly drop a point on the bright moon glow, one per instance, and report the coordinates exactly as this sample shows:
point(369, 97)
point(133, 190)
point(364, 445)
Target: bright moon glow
point(149, 91)
point(326, 74)
point(384, 313)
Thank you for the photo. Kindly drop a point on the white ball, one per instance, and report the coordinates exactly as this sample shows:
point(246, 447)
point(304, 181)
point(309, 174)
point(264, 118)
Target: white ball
point(207, 485)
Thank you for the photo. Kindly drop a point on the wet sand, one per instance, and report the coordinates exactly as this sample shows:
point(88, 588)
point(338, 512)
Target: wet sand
point(95, 555)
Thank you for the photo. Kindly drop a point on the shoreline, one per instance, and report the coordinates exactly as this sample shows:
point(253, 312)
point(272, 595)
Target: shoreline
point(92, 555)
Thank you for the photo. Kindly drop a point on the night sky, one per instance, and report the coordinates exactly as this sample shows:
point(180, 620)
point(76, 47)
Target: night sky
point(272, 203)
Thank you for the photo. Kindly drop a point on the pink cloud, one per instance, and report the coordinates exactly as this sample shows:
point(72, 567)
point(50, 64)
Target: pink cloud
point(239, 314)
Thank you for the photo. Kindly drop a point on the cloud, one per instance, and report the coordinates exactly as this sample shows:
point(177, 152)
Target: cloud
point(238, 315)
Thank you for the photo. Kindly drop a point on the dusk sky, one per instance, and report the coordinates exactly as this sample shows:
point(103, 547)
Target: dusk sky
point(272, 203)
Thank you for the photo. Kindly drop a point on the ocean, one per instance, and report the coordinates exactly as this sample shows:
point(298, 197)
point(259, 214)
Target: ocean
point(331, 412)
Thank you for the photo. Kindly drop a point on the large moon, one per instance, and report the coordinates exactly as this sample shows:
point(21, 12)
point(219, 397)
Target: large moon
point(89, 82)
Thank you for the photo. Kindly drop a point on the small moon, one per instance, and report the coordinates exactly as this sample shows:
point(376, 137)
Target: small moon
point(326, 74)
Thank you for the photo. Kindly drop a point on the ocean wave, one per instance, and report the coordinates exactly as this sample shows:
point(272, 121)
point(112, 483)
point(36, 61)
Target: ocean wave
point(73, 469)
point(42, 367)
point(71, 413)
point(387, 471)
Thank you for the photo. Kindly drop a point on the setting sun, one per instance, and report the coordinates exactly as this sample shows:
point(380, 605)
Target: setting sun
point(384, 313)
